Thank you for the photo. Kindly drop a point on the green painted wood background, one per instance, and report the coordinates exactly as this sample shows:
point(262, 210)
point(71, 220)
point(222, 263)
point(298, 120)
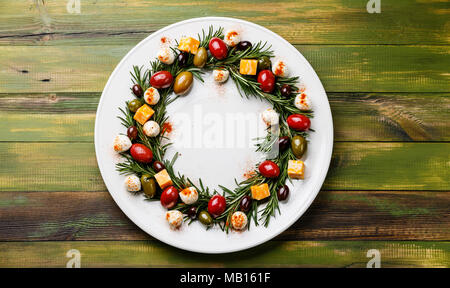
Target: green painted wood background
point(387, 78)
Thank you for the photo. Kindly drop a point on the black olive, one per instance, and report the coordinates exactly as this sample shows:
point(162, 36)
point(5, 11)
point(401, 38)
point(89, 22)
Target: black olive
point(158, 166)
point(137, 90)
point(192, 212)
point(286, 90)
point(132, 132)
point(183, 59)
point(283, 143)
point(243, 45)
point(246, 203)
point(283, 193)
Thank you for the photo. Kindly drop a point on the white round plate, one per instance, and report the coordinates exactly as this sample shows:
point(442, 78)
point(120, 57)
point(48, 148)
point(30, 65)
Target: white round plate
point(203, 153)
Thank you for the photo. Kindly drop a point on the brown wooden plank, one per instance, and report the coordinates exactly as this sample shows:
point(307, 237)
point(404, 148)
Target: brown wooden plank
point(271, 254)
point(356, 116)
point(64, 216)
point(309, 21)
point(334, 215)
point(375, 215)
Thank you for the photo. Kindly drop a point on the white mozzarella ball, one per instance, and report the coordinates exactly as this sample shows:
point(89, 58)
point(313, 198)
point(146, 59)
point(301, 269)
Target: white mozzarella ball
point(121, 143)
point(166, 56)
point(232, 38)
point(151, 96)
point(151, 128)
point(280, 69)
point(221, 75)
point(302, 102)
point(270, 117)
point(189, 195)
point(175, 218)
point(133, 183)
point(239, 220)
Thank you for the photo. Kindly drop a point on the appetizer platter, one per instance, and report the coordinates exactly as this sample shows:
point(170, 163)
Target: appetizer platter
point(150, 178)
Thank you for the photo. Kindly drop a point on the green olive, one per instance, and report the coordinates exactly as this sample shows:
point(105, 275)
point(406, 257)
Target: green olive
point(134, 105)
point(298, 145)
point(201, 57)
point(148, 185)
point(264, 63)
point(205, 218)
point(183, 82)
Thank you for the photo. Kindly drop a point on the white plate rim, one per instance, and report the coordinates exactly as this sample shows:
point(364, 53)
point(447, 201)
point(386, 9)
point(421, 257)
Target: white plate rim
point(278, 230)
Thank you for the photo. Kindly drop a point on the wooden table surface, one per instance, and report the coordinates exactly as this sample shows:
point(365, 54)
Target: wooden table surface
point(387, 79)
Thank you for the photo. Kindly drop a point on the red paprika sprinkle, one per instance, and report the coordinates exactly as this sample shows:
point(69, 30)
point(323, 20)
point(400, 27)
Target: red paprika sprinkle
point(167, 127)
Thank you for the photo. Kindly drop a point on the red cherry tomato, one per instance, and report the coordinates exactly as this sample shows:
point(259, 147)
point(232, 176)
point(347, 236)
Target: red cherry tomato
point(269, 169)
point(169, 197)
point(161, 79)
point(267, 81)
point(216, 205)
point(141, 153)
point(218, 48)
point(298, 122)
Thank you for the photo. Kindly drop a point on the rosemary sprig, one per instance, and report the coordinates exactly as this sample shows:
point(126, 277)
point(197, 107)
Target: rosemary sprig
point(130, 166)
point(140, 78)
point(259, 50)
point(178, 180)
point(249, 87)
point(127, 119)
point(205, 38)
point(267, 144)
point(234, 198)
point(176, 69)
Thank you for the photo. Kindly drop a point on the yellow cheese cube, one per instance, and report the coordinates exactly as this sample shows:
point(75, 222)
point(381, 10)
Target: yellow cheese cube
point(296, 169)
point(163, 179)
point(143, 114)
point(248, 66)
point(189, 44)
point(260, 191)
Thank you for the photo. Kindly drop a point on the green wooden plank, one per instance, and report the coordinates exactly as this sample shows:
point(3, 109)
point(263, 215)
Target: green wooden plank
point(49, 167)
point(47, 127)
point(380, 68)
point(324, 22)
point(355, 166)
point(27, 69)
point(334, 215)
point(51, 103)
point(356, 116)
point(390, 116)
point(270, 254)
point(389, 166)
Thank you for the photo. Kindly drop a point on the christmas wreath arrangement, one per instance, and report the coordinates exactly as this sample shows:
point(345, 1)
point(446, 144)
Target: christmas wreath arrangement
point(171, 75)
